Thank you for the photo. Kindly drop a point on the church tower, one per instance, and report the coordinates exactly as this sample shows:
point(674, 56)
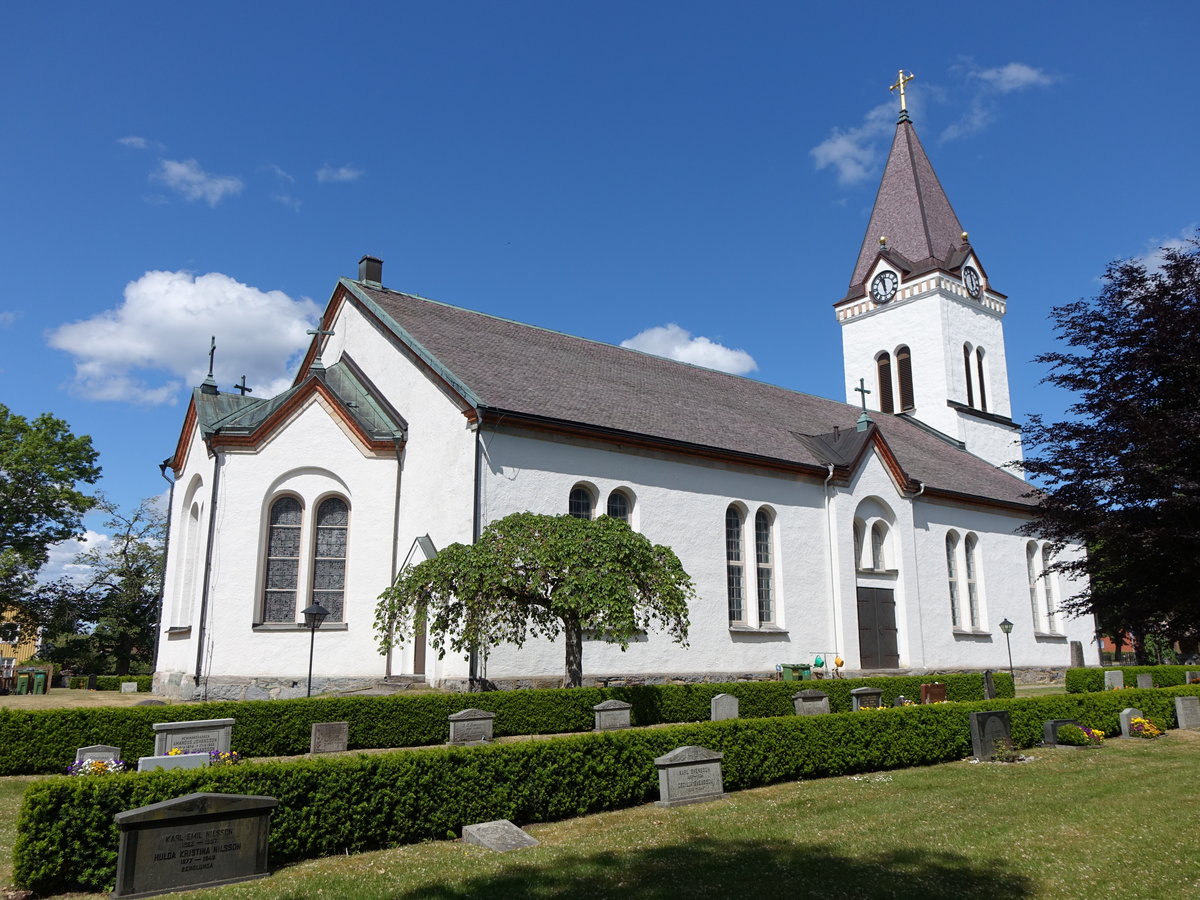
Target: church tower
point(921, 321)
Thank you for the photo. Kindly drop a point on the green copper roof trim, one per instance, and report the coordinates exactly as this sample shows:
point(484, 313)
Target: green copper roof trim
point(412, 343)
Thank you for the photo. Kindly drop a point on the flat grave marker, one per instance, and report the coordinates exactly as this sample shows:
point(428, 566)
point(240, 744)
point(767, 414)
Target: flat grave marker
point(723, 706)
point(1127, 716)
point(689, 775)
point(201, 840)
point(329, 737)
point(197, 736)
point(1187, 713)
point(471, 726)
point(1114, 681)
point(810, 702)
point(987, 728)
point(612, 714)
point(500, 836)
point(933, 693)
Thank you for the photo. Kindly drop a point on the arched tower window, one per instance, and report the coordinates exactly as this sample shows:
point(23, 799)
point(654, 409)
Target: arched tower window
point(860, 530)
point(734, 564)
point(971, 546)
point(579, 503)
point(952, 575)
point(283, 560)
point(982, 380)
point(967, 373)
point(765, 565)
point(329, 557)
point(1031, 564)
point(883, 377)
point(618, 506)
point(1051, 611)
point(904, 373)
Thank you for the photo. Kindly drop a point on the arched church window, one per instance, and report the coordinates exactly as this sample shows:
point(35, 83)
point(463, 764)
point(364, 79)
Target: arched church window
point(883, 375)
point(618, 506)
point(952, 575)
point(1031, 563)
point(329, 557)
point(766, 567)
point(879, 546)
point(734, 564)
point(859, 536)
point(971, 547)
point(283, 560)
point(579, 503)
point(904, 373)
point(982, 381)
point(967, 373)
point(1051, 611)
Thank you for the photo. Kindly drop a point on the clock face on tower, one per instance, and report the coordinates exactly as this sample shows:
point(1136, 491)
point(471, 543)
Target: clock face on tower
point(883, 286)
point(971, 281)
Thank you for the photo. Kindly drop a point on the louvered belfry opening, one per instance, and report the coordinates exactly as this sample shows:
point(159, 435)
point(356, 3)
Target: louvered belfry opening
point(904, 370)
point(883, 365)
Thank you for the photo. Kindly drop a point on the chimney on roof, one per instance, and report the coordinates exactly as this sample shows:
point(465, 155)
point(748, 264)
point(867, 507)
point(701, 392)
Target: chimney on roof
point(370, 270)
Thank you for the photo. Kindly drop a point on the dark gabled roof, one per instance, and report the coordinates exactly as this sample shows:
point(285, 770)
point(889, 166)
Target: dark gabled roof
point(507, 368)
point(912, 212)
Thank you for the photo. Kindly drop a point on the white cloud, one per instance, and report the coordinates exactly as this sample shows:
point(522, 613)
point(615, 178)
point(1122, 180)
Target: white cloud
point(193, 183)
point(135, 142)
point(61, 561)
point(1152, 256)
point(854, 152)
point(1014, 77)
point(341, 173)
point(287, 200)
point(979, 111)
point(281, 174)
point(674, 342)
point(7, 318)
point(155, 342)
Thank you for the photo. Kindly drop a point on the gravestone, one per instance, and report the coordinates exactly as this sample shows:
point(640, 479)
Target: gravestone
point(91, 682)
point(102, 752)
point(128, 687)
point(329, 737)
point(1187, 713)
point(1114, 681)
point(1050, 730)
point(168, 763)
point(989, 685)
point(900, 700)
point(150, 703)
point(501, 836)
point(1189, 677)
point(1127, 717)
point(198, 736)
point(811, 702)
point(689, 775)
point(612, 714)
point(933, 693)
point(866, 697)
point(723, 706)
point(201, 840)
point(1145, 680)
point(471, 726)
point(986, 729)
point(1076, 654)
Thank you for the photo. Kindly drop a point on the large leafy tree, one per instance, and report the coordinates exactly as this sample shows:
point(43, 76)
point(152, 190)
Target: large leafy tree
point(105, 620)
point(1121, 476)
point(42, 465)
point(544, 576)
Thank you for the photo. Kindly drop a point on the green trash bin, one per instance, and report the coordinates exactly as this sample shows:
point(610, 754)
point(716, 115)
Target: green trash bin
point(23, 683)
point(796, 671)
point(39, 682)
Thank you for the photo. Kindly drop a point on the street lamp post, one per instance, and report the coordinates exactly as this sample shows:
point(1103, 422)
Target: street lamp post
point(1007, 627)
point(314, 617)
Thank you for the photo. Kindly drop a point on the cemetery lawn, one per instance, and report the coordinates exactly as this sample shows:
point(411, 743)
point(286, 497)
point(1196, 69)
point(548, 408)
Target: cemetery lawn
point(1119, 821)
point(63, 698)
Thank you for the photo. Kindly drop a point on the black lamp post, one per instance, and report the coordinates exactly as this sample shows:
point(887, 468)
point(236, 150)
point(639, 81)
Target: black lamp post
point(314, 617)
point(1007, 627)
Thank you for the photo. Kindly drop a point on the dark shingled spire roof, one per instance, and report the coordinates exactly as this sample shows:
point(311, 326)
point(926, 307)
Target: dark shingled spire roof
point(911, 210)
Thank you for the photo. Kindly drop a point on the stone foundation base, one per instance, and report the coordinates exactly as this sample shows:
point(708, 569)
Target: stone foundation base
point(178, 686)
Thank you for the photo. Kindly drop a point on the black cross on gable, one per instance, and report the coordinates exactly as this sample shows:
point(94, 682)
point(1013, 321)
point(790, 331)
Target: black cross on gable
point(242, 387)
point(864, 390)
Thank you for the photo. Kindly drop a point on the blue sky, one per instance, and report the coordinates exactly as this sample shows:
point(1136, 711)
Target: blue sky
point(170, 172)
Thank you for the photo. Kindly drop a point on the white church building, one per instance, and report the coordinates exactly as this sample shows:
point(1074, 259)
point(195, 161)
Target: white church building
point(811, 527)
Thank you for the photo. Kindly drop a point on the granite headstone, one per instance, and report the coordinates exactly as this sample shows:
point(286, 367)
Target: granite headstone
point(1145, 680)
point(1114, 681)
point(810, 702)
point(933, 693)
point(989, 685)
point(168, 763)
point(900, 700)
point(612, 714)
point(128, 687)
point(102, 752)
point(866, 697)
point(1076, 654)
point(1127, 716)
point(471, 726)
point(329, 737)
point(500, 836)
point(197, 736)
point(987, 728)
point(1191, 677)
point(689, 775)
point(1187, 713)
point(723, 706)
point(201, 840)
point(1050, 730)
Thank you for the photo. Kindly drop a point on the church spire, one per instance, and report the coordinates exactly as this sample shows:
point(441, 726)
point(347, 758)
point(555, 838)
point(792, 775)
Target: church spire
point(911, 209)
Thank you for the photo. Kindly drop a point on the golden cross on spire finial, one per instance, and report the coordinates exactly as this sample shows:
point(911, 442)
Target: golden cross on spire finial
point(901, 81)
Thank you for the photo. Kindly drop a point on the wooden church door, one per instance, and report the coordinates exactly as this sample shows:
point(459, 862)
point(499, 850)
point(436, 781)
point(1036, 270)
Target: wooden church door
point(877, 643)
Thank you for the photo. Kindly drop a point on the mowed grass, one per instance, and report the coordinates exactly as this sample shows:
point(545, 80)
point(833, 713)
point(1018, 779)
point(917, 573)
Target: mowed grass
point(63, 698)
point(1120, 821)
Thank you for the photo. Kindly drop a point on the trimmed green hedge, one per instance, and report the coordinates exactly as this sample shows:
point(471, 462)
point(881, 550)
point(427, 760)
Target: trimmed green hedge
point(113, 682)
point(1082, 681)
point(67, 840)
point(44, 741)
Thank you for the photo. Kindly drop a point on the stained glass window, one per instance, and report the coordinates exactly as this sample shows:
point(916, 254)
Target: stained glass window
point(329, 558)
point(283, 560)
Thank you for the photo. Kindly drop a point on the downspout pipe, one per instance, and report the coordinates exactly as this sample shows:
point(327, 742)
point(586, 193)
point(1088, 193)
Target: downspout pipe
point(833, 578)
point(917, 568)
point(162, 583)
point(398, 441)
point(208, 554)
point(476, 528)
